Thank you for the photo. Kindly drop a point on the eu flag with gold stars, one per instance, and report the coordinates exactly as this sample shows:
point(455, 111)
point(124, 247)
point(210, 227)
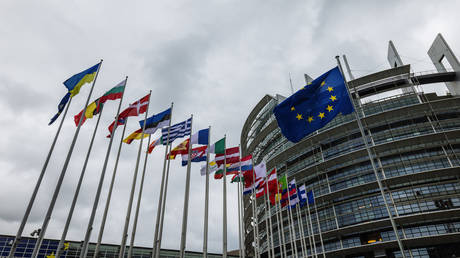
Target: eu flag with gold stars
point(313, 106)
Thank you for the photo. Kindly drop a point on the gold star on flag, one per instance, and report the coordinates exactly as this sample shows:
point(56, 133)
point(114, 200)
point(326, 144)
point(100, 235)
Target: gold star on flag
point(330, 88)
point(310, 119)
point(321, 115)
point(323, 83)
point(333, 98)
point(51, 255)
point(299, 116)
point(292, 108)
point(66, 246)
point(329, 108)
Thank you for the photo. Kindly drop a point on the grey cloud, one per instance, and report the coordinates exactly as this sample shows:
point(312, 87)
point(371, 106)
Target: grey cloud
point(214, 60)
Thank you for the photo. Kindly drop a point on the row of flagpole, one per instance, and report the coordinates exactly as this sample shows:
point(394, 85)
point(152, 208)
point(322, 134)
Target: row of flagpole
point(76, 81)
point(90, 75)
point(307, 216)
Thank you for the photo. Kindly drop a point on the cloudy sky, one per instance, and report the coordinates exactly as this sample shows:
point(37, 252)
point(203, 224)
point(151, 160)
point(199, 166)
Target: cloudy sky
point(213, 59)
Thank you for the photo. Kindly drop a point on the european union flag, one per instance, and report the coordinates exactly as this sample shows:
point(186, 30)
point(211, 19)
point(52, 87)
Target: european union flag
point(313, 106)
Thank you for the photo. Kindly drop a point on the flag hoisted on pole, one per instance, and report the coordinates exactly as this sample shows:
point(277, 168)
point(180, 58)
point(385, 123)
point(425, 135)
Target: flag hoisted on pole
point(160, 198)
point(126, 113)
point(134, 109)
point(313, 106)
point(63, 104)
point(206, 200)
point(74, 86)
point(113, 94)
point(133, 188)
point(109, 95)
point(178, 130)
point(186, 197)
point(77, 190)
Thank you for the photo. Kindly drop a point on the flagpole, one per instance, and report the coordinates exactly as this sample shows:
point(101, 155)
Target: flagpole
point(109, 195)
point(254, 220)
point(300, 218)
point(224, 206)
point(302, 245)
point(160, 198)
point(309, 235)
point(206, 200)
point(240, 245)
point(319, 230)
point(293, 230)
point(163, 208)
point(290, 229)
point(312, 231)
point(283, 253)
point(139, 197)
point(266, 225)
point(37, 186)
point(291, 221)
point(270, 219)
point(183, 237)
point(77, 190)
point(101, 181)
point(254, 214)
point(240, 231)
point(243, 225)
point(299, 223)
point(63, 171)
point(133, 187)
point(371, 159)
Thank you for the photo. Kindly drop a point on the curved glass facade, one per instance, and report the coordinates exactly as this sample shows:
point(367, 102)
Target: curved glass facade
point(414, 140)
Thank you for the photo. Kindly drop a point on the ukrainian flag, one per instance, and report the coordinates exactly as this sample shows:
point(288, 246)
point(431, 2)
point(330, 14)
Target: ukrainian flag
point(73, 85)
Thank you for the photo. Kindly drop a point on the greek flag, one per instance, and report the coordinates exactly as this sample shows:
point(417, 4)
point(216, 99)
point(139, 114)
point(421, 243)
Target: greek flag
point(178, 130)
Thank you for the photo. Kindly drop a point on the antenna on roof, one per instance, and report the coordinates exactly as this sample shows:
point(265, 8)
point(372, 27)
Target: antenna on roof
point(290, 81)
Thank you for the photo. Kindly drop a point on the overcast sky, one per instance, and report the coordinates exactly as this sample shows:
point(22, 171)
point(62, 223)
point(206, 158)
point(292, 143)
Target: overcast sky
point(213, 59)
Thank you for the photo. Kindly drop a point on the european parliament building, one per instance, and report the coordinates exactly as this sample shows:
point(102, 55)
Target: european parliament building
point(414, 140)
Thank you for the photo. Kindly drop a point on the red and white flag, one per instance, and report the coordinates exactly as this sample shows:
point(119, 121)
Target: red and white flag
point(232, 155)
point(134, 109)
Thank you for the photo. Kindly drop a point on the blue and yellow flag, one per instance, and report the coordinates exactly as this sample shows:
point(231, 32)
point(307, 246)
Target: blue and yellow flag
point(73, 85)
point(313, 106)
